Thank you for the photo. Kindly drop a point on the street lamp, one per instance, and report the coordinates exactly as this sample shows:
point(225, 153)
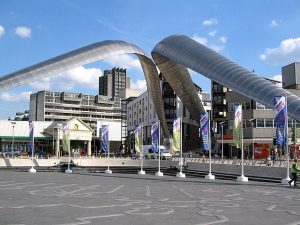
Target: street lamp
point(221, 124)
point(13, 123)
point(252, 123)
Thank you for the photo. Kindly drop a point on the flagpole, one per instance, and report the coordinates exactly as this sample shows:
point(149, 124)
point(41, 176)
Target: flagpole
point(159, 173)
point(287, 179)
point(66, 131)
point(32, 169)
point(142, 172)
point(69, 160)
point(108, 171)
point(209, 176)
point(180, 174)
point(242, 178)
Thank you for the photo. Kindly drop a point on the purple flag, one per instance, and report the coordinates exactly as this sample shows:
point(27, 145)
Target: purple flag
point(204, 120)
point(280, 119)
point(105, 138)
point(31, 135)
point(155, 136)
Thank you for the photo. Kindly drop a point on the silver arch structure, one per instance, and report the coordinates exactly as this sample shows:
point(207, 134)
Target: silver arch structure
point(85, 55)
point(181, 82)
point(181, 51)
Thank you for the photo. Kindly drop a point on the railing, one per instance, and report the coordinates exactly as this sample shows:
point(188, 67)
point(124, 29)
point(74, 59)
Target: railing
point(247, 162)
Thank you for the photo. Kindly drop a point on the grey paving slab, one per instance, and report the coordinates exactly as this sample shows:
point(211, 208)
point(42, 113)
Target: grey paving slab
point(62, 199)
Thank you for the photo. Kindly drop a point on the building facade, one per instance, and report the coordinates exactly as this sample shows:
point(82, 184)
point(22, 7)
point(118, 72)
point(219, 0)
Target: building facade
point(61, 106)
point(259, 133)
point(113, 83)
point(141, 110)
point(47, 135)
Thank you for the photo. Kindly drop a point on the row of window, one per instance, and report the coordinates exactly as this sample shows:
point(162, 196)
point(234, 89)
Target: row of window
point(50, 116)
point(263, 123)
point(247, 105)
point(51, 109)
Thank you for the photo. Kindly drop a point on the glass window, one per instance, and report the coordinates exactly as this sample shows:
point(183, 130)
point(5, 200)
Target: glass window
point(246, 105)
point(230, 107)
point(260, 122)
point(220, 99)
point(290, 122)
point(269, 122)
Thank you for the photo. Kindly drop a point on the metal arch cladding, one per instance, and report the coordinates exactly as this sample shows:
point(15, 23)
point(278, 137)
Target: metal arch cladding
point(178, 52)
point(85, 55)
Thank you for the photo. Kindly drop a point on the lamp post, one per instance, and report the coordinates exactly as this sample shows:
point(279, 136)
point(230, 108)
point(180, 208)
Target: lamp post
point(252, 123)
point(92, 134)
point(13, 123)
point(53, 98)
point(221, 124)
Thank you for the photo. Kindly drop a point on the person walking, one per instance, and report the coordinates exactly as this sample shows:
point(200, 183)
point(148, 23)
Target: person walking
point(294, 171)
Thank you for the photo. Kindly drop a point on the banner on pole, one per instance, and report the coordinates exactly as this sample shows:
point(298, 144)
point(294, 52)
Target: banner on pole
point(105, 138)
point(204, 126)
point(280, 119)
point(155, 136)
point(177, 134)
point(31, 135)
point(237, 138)
point(66, 137)
point(138, 138)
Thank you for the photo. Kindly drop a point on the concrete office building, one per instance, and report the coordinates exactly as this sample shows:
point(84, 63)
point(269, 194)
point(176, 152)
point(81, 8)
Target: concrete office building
point(61, 106)
point(114, 82)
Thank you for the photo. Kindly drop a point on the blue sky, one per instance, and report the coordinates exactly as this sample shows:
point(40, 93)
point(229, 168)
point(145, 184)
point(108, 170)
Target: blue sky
point(259, 35)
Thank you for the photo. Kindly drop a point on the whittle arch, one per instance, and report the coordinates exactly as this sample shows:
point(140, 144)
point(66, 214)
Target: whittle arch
point(85, 55)
point(178, 52)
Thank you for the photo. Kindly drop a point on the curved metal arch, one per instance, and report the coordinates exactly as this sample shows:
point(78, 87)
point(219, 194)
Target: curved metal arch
point(85, 55)
point(182, 84)
point(188, 53)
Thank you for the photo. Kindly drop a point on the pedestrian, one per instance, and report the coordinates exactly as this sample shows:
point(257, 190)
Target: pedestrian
point(268, 161)
point(294, 171)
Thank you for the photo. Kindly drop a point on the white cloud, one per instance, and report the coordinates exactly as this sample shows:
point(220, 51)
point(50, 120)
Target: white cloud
point(20, 97)
point(278, 78)
point(77, 77)
point(199, 39)
point(223, 39)
point(213, 33)
point(287, 52)
point(210, 22)
point(139, 84)
point(216, 48)
point(125, 61)
point(2, 30)
point(275, 23)
point(23, 32)
point(204, 41)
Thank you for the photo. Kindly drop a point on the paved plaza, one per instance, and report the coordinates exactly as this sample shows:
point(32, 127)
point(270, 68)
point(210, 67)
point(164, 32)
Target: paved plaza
point(61, 199)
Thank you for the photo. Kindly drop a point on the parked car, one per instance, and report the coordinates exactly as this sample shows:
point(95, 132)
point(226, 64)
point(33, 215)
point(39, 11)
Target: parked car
point(10, 152)
point(150, 154)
